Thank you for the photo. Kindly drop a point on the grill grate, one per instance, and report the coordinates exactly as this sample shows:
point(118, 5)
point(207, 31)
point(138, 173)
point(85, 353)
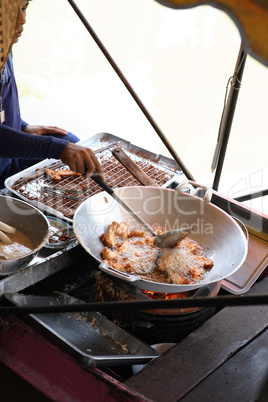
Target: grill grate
point(31, 187)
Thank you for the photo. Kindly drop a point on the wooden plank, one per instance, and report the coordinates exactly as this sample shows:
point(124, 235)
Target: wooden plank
point(241, 378)
point(175, 373)
point(132, 167)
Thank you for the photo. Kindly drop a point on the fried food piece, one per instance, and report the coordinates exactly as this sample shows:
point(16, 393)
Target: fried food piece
point(135, 259)
point(107, 254)
point(123, 247)
point(185, 263)
point(115, 231)
point(174, 277)
point(136, 233)
point(134, 252)
point(58, 175)
point(128, 251)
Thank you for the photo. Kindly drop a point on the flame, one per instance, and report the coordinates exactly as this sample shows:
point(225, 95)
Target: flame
point(163, 296)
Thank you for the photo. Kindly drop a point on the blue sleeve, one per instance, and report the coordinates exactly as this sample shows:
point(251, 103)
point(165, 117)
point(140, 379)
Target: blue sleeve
point(23, 124)
point(17, 144)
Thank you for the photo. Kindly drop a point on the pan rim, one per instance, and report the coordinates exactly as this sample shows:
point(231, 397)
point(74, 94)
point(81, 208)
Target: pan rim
point(146, 284)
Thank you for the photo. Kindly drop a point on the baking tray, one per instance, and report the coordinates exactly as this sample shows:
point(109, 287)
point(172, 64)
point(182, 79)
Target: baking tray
point(28, 184)
point(89, 337)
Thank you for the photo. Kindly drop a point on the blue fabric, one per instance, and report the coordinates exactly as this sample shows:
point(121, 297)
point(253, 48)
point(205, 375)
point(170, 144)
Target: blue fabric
point(25, 163)
point(19, 150)
point(21, 145)
point(10, 99)
point(70, 137)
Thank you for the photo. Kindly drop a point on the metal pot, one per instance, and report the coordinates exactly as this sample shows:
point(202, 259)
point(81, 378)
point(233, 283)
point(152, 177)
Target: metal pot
point(28, 220)
point(220, 236)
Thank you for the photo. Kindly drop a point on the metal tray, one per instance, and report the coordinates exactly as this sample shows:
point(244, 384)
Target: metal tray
point(89, 337)
point(46, 263)
point(256, 262)
point(29, 183)
point(257, 258)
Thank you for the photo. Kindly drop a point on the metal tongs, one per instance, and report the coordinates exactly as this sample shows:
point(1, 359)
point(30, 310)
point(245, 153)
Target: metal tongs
point(65, 193)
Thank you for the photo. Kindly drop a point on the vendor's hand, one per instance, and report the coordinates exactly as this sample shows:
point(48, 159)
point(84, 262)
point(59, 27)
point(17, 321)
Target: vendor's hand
point(40, 130)
point(81, 160)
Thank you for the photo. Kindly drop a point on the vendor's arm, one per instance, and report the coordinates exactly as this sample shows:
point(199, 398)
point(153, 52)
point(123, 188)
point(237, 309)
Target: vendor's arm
point(81, 159)
point(40, 130)
point(16, 144)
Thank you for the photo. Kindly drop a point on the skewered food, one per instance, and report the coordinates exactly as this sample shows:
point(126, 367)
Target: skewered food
point(133, 251)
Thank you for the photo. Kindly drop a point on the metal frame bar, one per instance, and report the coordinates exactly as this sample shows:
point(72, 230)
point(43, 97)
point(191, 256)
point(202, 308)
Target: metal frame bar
point(251, 196)
point(131, 90)
point(227, 118)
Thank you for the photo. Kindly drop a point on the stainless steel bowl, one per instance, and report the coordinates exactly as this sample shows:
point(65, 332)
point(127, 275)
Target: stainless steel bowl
point(30, 221)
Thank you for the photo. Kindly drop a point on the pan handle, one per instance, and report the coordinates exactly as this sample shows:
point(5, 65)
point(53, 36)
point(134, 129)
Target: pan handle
point(118, 274)
point(207, 198)
point(208, 193)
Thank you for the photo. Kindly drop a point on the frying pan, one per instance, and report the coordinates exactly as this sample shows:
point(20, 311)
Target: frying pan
point(220, 236)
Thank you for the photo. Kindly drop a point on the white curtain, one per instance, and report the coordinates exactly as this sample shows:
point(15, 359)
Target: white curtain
point(177, 61)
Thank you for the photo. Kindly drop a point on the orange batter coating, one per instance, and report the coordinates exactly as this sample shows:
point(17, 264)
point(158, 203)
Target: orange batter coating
point(58, 175)
point(133, 251)
point(185, 263)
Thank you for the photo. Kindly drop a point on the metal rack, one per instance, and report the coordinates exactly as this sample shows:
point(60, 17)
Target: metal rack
point(31, 183)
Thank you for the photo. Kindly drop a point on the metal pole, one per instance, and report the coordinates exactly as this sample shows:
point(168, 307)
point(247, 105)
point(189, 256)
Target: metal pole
point(227, 118)
point(219, 301)
point(131, 90)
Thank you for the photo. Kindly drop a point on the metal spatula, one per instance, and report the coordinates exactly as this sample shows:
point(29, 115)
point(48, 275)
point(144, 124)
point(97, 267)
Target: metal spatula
point(166, 240)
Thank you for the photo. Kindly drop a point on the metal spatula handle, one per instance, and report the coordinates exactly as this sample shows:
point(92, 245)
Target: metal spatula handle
point(110, 191)
point(165, 240)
